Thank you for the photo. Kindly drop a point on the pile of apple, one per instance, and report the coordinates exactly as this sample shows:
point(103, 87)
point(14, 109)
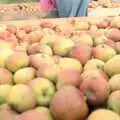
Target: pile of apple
point(63, 70)
point(103, 4)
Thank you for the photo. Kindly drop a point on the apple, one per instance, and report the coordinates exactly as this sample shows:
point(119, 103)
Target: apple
point(43, 89)
point(103, 52)
point(94, 64)
point(33, 37)
point(11, 28)
point(49, 71)
point(81, 25)
point(22, 47)
point(20, 34)
point(68, 77)
point(39, 60)
point(111, 67)
point(27, 28)
point(6, 44)
point(45, 49)
point(64, 28)
point(81, 52)
point(84, 38)
point(6, 76)
point(48, 32)
point(45, 111)
point(101, 32)
point(4, 53)
point(117, 47)
point(103, 23)
point(115, 22)
point(6, 113)
point(46, 24)
point(4, 91)
point(32, 115)
point(70, 63)
point(16, 61)
point(99, 40)
point(114, 82)
point(114, 101)
point(56, 58)
point(113, 34)
point(48, 40)
point(111, 43)
point(94, 86)
point(103, 114)
point(32, 49)
point(21, 98)
point(24, 75)
point(3, 27)
point(63, 46)
point(68, 104)
point(93, 28)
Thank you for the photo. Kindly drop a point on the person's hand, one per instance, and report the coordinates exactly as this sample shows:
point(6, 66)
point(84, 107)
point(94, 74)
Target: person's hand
point(47, 4)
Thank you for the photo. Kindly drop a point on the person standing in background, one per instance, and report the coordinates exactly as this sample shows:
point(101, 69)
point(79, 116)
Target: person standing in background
point(66, 8)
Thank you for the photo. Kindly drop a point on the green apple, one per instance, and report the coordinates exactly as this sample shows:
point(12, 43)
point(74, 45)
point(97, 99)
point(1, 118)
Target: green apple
point(4, 53)
point(114, 101)
point(43, 89)
point(24, 75)
point(63, 46)
point(46, 111)
point(114, 82)
point(4, 91)
point(21, 98)
point(111, 67)
point(70, 63)
point(93, 64)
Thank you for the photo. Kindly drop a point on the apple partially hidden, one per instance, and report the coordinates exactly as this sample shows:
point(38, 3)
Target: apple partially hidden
point(68, 77)
point(95, 87)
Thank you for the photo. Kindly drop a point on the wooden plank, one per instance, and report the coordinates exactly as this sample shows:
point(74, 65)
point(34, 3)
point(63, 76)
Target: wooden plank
point(55, 20)
point(101, 12)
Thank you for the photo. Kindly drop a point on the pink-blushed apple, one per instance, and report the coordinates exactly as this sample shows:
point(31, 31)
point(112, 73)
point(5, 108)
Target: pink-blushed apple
point(81, 52)
point(68, 104)
point(68, 77)
point(103, 52)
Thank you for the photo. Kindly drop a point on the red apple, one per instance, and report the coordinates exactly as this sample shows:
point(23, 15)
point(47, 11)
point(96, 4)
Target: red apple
point(81, 52)
point(95, 87)
point(68, 104)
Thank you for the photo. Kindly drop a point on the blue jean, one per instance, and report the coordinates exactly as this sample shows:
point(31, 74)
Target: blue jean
point(72, 8)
